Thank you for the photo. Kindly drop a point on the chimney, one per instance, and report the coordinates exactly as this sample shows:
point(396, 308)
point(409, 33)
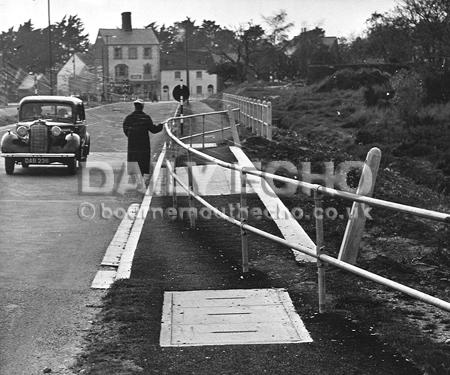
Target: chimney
point(126, 21)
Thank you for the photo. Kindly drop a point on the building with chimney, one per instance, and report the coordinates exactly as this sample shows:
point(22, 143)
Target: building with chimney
point(128, 61)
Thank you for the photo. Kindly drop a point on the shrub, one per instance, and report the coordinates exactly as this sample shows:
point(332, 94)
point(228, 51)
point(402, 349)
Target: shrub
point(436, 87)
point(377, 95)
point(409, 93)
point(348, 79)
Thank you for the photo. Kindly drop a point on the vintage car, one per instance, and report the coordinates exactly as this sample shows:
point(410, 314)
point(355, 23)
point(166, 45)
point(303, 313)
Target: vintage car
point(50, 129)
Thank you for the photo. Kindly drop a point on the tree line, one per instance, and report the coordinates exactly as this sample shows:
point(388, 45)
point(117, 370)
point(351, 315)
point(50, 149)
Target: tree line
point(416, 31)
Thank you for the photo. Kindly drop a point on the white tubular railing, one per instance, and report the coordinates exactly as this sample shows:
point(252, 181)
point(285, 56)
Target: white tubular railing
point(254, 113)
point(319, 191)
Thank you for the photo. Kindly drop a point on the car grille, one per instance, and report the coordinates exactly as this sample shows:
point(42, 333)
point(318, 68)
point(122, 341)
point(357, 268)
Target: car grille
point(38, 138)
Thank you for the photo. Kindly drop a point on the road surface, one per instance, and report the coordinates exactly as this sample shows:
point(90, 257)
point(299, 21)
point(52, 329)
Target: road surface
point(50, 247)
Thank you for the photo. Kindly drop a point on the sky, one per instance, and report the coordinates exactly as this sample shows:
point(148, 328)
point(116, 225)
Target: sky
point(341, 18)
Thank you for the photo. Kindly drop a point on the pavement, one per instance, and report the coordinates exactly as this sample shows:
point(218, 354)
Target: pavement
point(170, 256)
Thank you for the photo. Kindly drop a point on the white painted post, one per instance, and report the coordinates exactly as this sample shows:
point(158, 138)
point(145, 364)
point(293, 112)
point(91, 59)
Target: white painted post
point(357, 220)
point(269, 121)
point(259, 117)
point(233, 128)
point(264, 119)
point(243, 218)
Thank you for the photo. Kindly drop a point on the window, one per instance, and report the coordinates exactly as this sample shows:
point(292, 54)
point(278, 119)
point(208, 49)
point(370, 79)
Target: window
point(147, 53)
point(199, 90)
point(132, 53)
point(177, 75)
point(121, 71)
point(117, 53)
point(199, 75)
point(210, 89)
point(147, 70)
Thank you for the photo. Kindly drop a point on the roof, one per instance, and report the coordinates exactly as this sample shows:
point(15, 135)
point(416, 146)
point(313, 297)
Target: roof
point(136, 36)
point(49, 98)
point(87, 58)
point(329, 41)
point(177, 60)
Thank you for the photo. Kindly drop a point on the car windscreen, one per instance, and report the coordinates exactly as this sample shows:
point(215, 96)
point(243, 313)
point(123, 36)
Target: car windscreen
point(60, 112)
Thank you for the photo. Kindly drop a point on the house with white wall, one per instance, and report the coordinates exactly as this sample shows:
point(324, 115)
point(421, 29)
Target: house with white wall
point(173, 70)
point(77, 76)
point(129, 60)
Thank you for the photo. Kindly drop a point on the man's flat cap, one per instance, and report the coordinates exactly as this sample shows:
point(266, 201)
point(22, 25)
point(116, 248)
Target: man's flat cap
point(138, 101)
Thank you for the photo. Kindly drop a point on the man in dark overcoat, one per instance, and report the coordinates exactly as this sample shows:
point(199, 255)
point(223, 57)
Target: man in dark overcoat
point(136, 127)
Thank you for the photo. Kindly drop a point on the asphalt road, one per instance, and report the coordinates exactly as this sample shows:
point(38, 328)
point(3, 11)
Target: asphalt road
point(50, 247)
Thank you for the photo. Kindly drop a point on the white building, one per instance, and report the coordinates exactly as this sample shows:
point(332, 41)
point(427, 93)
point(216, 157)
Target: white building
point(77, 76)
point(173, 70)
point(129, 60)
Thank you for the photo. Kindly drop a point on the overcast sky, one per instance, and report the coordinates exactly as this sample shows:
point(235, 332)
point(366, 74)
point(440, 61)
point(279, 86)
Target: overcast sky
point(337, 17)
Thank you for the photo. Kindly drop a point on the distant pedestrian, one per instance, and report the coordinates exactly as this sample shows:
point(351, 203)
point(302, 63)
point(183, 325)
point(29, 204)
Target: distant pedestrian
point(136, 127)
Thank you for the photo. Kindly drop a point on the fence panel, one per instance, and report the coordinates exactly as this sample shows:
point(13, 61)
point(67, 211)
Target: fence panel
point(254, 114)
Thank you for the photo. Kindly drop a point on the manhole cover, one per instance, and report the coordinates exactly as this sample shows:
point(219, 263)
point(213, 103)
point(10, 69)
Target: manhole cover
point(230, 317)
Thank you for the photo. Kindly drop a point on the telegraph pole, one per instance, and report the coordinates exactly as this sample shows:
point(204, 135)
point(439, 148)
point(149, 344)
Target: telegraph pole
point(186, 51)
point(50, 59)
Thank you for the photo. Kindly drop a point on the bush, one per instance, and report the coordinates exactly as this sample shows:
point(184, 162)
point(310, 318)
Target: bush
point(347, 79)
point(409, 93)
point(436, 87)
point(377, 95)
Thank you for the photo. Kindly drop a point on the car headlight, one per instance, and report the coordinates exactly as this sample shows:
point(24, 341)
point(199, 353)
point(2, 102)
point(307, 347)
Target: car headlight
point(22, 131)
point(56, 131)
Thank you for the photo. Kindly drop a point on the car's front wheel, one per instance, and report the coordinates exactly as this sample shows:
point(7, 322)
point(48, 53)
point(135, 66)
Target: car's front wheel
point(72, 166)
point(9, 165)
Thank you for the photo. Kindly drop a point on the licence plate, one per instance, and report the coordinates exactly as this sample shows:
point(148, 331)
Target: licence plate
point(36, 160)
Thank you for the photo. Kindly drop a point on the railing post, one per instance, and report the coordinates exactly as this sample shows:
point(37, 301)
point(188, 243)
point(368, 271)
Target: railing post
point(318, 213)
point(264, 119)
point(221, 126)
point(203, 134)
point(355, 226)
point(233, 128)
point(243, 217)
point(190, 197)
point(190, 131)
point(259, 117)
point(174, 187)
point(269, 121)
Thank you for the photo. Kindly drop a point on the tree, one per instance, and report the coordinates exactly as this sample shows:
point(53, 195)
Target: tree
point(389, 37)
point(279, 27)
point(310, 49)
point(28, 48)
